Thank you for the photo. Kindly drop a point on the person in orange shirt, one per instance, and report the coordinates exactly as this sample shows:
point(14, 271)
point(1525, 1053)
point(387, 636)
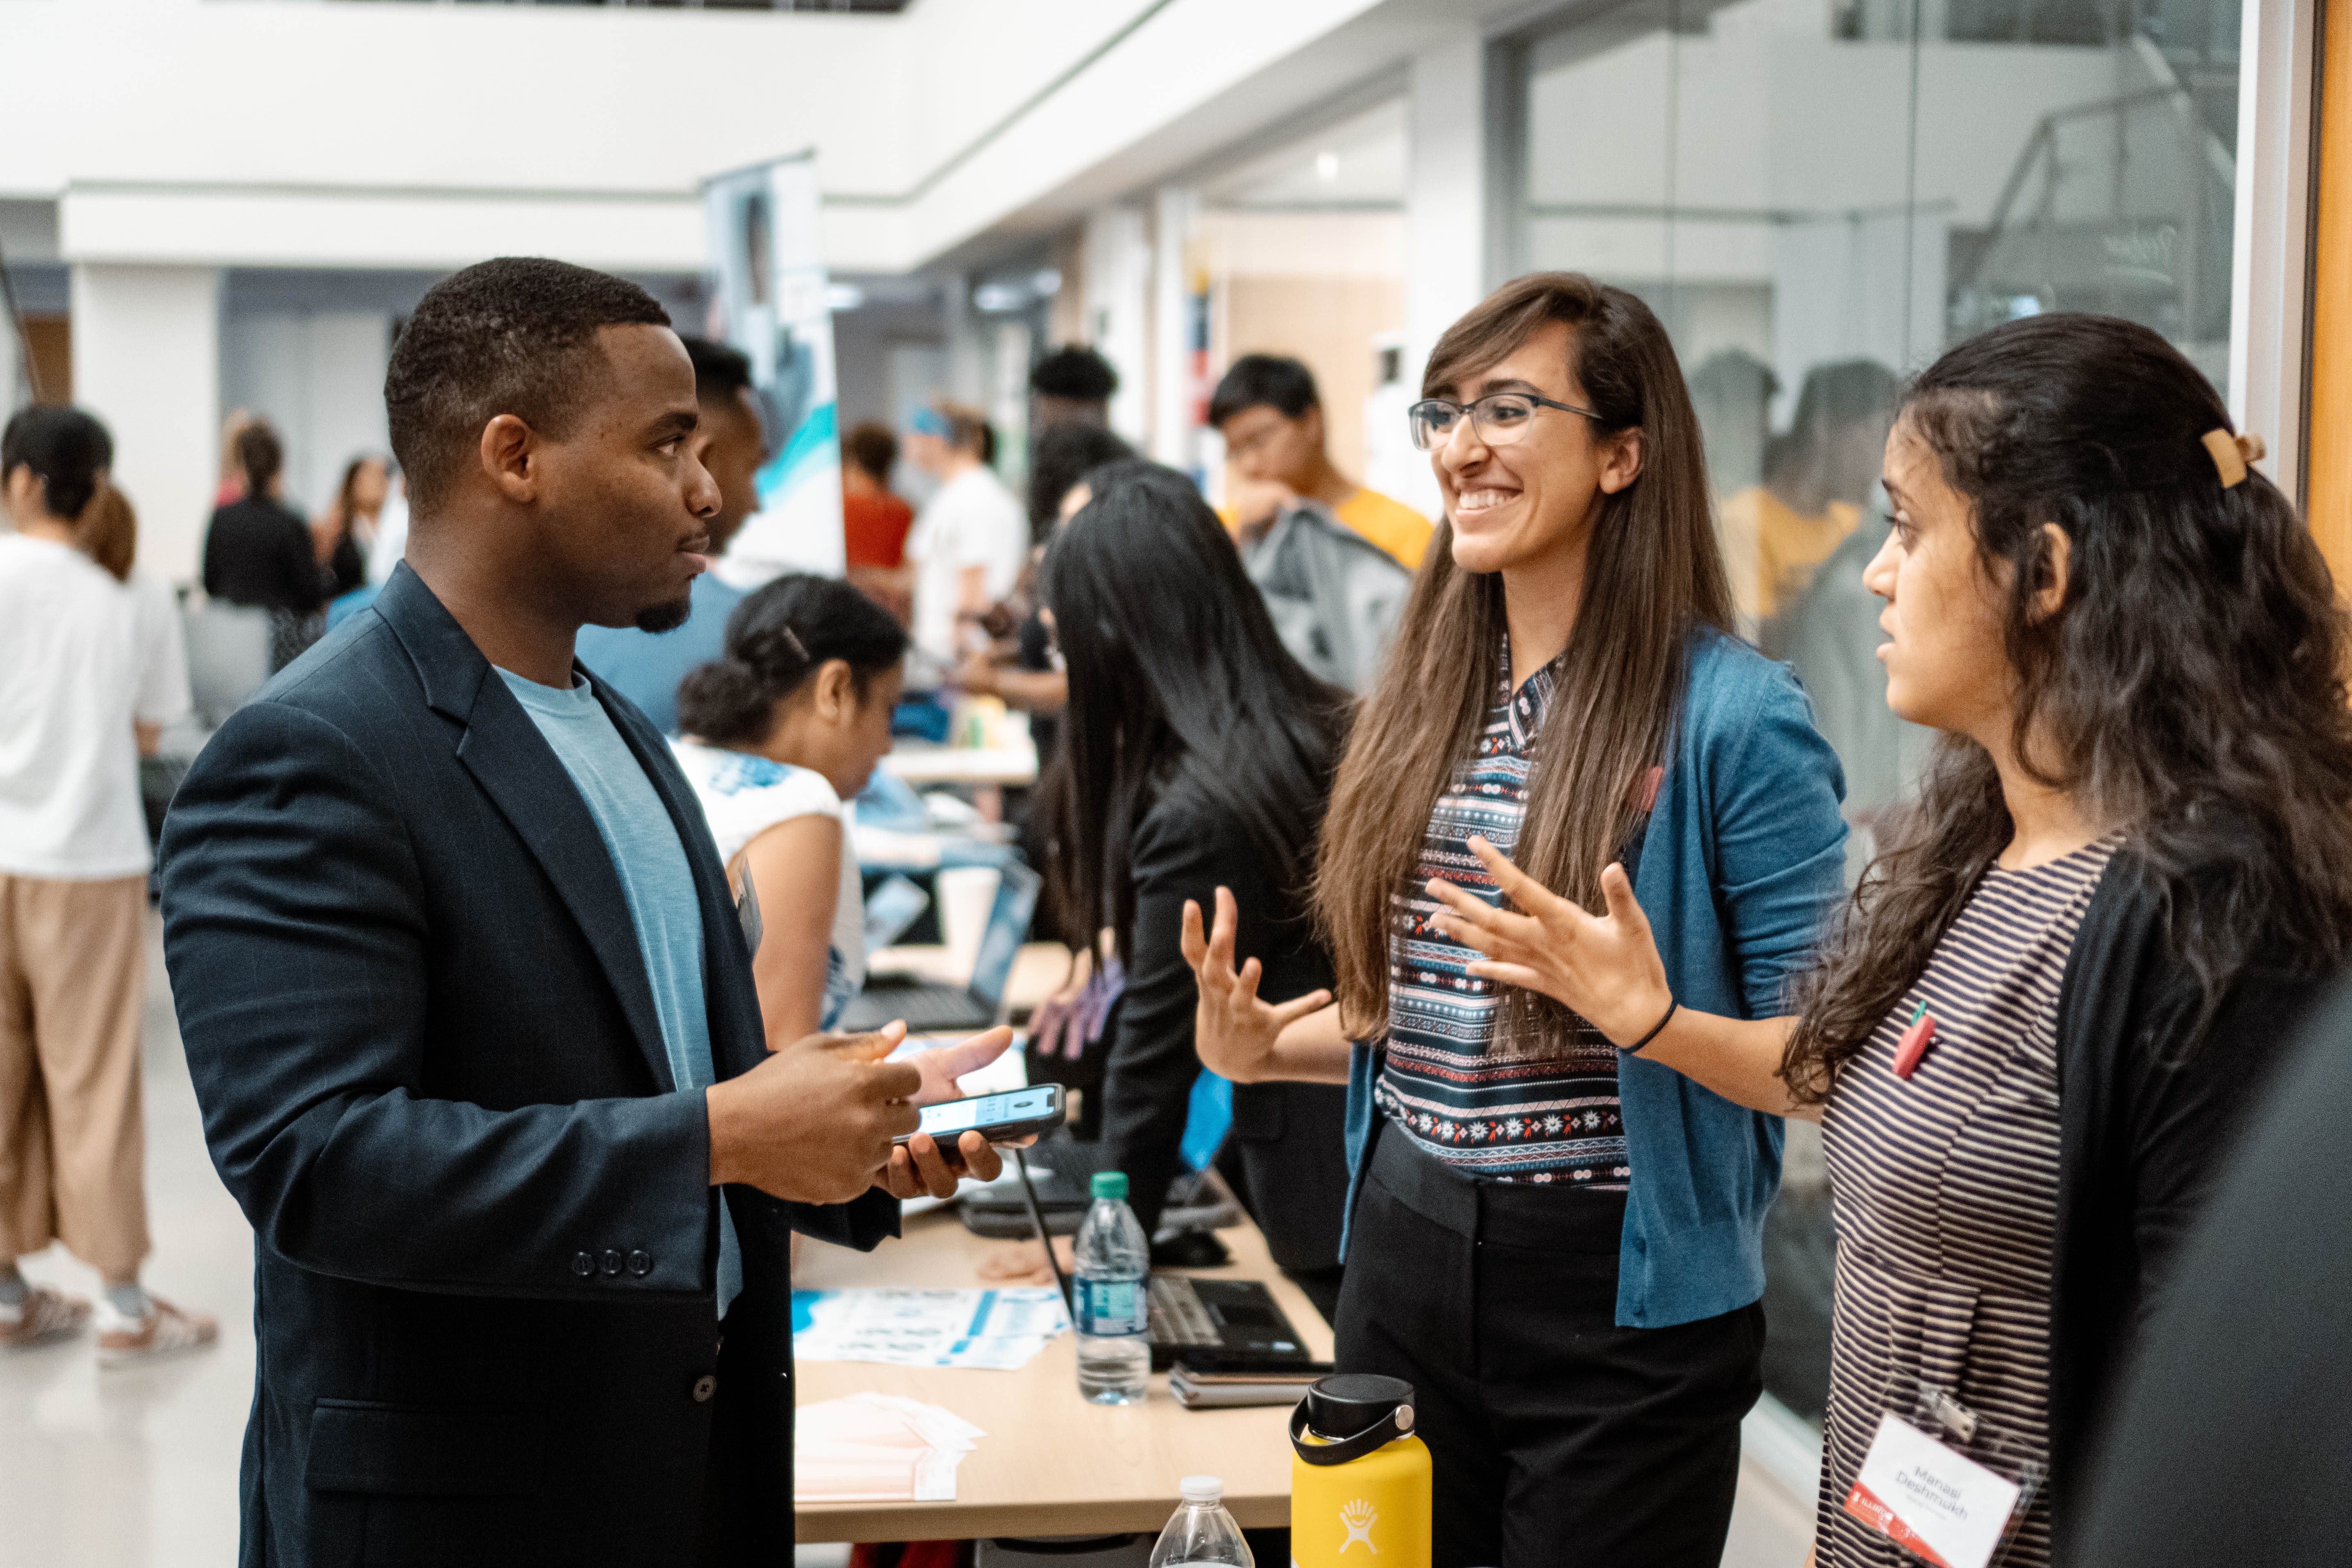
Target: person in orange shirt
point(1271, 416)
point(875, 520)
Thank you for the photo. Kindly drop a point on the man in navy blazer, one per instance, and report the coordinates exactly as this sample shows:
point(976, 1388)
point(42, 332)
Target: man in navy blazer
point(470, 1012)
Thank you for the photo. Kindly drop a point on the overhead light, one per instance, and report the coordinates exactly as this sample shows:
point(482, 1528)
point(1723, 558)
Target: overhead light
point(1326, 167)
point(844, 297)
point(1000, 296)
point(1046, 282)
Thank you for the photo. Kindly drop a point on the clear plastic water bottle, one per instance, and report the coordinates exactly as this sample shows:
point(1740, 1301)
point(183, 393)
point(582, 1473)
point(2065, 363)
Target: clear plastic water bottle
point(1201, 1532)
point(1113, 1263)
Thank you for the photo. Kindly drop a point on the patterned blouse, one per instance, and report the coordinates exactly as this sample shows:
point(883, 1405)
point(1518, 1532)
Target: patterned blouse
point(1491, 1113)
point(1944, 1188)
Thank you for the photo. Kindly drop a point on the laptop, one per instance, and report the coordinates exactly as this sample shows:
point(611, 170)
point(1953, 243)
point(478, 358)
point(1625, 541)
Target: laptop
point(927, 1005)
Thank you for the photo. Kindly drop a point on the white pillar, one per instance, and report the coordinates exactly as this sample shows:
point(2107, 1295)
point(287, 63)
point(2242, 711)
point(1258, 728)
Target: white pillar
point(2270, 275)
point(146, 360)
point(1174, 211)
point(1445, 194)
point(1117, 283)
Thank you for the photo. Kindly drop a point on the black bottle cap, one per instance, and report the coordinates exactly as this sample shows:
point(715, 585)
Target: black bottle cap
point(1340, 1406)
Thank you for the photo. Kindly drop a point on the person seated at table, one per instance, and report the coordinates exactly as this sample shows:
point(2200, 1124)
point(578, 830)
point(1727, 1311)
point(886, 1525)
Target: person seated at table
point(1200, 756)
point(780, 731)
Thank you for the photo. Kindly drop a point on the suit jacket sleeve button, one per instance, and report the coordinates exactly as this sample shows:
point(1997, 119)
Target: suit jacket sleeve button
point(582, 1265)
point(612, 1261)
point(641, 1263)
point(704, 1387)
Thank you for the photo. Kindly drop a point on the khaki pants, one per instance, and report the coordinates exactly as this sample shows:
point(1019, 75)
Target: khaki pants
point(73, 968)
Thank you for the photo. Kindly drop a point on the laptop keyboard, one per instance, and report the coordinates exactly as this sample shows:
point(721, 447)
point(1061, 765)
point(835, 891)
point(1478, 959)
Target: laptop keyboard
point(1177, 1316)
point(927, 1006)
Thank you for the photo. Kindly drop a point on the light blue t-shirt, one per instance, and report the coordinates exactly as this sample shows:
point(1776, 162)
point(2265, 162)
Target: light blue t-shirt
point(647, 666)
point(656, 879)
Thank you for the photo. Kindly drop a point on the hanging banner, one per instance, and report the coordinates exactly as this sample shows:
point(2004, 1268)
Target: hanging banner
point(768, 299)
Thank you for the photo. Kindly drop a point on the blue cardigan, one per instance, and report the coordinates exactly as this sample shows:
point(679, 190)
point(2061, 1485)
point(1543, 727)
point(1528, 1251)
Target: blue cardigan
point(1743, 863)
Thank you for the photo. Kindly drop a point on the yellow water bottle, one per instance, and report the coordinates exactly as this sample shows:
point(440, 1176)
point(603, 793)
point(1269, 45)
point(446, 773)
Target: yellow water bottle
point(1359, 1478)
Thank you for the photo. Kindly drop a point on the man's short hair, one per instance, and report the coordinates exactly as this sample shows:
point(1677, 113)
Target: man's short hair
point(1076, 373)
point(872, 447)
point(508, 336)
point(1281, 383)
point(66, 450)
point(720, 371)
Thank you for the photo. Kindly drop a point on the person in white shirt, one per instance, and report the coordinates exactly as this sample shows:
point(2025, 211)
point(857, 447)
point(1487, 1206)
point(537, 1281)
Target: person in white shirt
point(781, 732)
point(91, 672)
point(971, 538)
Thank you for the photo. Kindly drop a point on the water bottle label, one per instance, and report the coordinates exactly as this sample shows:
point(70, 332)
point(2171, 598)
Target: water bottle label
point(1111, 1306)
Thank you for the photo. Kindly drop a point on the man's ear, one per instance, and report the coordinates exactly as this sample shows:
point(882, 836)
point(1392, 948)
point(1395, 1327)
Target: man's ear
point(510, 457)
point(1622, 464)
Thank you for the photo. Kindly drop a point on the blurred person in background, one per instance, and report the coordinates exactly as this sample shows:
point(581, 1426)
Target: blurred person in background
point(258, 552)
point(782, 733)
point(1199, 757)
point(109, 536)
point(344, 534)
point(391, 533)
point(1022, 670)
point(1072, 386)
point(970, 540)
point(647, 666)
point(89, 673)
point(231, 487)
point(875, 521)
point(1271, 416)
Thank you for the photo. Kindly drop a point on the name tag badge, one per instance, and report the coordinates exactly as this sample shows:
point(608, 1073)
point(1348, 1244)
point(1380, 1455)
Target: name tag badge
point(1931, 1500)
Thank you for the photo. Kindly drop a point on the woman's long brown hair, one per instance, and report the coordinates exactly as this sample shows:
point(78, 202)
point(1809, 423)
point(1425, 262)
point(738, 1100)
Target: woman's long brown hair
point(1653, 572)
point(2189, 692)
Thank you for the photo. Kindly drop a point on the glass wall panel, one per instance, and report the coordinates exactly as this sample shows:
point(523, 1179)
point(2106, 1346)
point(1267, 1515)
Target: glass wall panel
point(1817, 197)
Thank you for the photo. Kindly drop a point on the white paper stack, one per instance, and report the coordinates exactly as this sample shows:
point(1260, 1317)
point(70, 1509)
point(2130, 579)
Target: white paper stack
point(1000, 1331)
point(877, 1448)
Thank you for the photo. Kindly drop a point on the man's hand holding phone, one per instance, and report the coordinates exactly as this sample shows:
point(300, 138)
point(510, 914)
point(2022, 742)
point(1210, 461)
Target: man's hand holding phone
point(920, 1166)
point(813, 1123)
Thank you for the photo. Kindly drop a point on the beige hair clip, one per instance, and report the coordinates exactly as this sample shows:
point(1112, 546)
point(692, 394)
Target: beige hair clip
point(2232, 452)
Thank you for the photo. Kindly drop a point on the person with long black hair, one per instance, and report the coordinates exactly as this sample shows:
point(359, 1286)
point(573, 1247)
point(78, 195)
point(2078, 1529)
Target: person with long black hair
point(1199, 755)
point(2066, 977)
point(1558, 1244)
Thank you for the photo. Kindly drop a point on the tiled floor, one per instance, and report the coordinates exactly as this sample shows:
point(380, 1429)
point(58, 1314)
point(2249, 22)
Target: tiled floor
point(138, 1468)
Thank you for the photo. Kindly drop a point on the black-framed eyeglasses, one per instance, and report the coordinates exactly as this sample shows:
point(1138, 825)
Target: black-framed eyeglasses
point(1501, 419)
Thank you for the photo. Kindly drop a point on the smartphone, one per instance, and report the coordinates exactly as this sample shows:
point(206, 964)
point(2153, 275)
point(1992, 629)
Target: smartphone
point(999, 1118)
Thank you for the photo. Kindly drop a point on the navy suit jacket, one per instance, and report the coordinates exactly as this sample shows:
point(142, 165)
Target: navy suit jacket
point(426, 1048)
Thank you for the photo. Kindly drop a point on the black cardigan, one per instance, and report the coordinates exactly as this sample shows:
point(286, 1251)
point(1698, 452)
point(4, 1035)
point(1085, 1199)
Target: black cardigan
point(1291, 1137)
point(2144, 1132)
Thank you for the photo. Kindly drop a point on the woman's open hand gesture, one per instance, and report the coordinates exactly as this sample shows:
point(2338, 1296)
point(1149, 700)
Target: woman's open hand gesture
point(1233, 1030)
point(1605, 968)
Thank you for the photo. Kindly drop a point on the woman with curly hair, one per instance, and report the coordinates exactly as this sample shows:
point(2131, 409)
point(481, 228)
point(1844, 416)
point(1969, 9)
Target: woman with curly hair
point(2058, 989)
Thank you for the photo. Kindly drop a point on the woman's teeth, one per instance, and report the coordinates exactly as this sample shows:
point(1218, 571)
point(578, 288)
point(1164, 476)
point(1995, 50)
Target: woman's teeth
point(1476, 501)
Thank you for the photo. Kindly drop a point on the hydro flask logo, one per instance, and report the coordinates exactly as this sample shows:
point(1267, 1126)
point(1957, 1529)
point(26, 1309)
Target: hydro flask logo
point(1359, 1517)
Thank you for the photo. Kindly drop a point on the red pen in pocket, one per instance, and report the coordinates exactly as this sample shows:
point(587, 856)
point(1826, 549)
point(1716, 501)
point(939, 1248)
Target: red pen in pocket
point(1913, 1044)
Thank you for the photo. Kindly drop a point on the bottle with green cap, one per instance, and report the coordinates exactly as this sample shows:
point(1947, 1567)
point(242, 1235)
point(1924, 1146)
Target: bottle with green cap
point(1114, 1261)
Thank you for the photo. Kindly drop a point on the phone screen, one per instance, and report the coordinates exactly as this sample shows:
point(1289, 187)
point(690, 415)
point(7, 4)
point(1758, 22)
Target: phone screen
point(955, 1116)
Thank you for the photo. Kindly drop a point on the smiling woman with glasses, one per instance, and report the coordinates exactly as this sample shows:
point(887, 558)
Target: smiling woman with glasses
point(1556, 1242)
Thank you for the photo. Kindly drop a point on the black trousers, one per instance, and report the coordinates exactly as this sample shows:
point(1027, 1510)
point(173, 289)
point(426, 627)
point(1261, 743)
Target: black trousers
point(1556, 1437)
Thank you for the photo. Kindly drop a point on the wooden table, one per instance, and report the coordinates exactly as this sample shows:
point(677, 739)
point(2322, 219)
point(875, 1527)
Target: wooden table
point(1052, 1464)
